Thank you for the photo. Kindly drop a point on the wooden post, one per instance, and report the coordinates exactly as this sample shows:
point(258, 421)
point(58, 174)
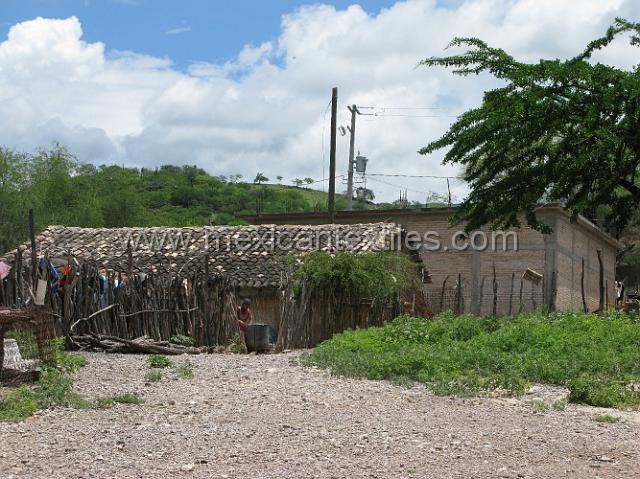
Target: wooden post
point(554, 291)
point(513, 276)
point(444, 283)
point(521, 286)
point(34, 265)
point(332, 156)
point(481, 295)
point(601, 302)
point(584, 299)
point(460, 302)
point(495, 291)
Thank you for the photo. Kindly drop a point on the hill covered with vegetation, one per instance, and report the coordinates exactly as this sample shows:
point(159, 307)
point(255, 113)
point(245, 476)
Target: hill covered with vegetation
point(64, 191)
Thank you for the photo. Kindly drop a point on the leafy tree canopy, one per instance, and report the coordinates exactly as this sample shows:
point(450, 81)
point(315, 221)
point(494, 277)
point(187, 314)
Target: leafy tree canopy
point(557, 130)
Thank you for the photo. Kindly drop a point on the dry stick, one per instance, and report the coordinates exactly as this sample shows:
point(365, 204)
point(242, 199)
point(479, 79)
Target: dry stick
point(90, 316)
point(495, 291)
point(481, 294)
point(584, 299)
point(444, 283)
point(460, 301)
point(521, 286)
point(513, 275)
point(601, 281)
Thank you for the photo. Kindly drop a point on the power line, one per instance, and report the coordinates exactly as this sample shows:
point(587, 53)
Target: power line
point(324, 124)
point(401, 187)
point(416, 176)
point(401, 107)
point(380, 115)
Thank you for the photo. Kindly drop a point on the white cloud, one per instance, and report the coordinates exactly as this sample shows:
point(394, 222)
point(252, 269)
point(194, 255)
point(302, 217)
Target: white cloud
point(178, 30)
point(265, 110)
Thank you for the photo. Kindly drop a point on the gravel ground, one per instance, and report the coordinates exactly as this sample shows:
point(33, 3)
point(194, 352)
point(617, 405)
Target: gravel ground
point(265, 417)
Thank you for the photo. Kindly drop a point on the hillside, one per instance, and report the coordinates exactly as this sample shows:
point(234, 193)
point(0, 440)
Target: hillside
point(62, 190)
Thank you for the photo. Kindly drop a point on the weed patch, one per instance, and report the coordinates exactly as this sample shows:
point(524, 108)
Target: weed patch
point(606, 418)
point(182, 340)
point(54, 388)
point(237, 345)
point(184, 370)
point(596, 357)
point(153, 376)
point(159, 361)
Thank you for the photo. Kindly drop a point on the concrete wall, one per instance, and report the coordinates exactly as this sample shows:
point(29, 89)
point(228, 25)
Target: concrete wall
point(560, 252)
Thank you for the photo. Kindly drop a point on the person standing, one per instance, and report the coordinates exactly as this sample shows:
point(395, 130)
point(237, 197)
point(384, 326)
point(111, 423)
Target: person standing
point(245, 316)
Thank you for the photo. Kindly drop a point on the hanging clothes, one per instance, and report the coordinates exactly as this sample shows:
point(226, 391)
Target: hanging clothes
point(5, 269)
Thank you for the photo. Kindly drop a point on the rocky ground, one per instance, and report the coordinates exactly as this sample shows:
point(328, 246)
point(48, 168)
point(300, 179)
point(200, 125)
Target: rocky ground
point(266, 417)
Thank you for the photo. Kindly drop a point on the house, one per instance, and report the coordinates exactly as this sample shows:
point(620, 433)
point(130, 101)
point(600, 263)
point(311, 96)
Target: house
point(170, 274)
point(532, 270)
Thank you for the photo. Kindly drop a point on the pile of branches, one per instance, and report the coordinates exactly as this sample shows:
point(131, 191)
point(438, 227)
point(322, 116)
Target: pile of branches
point(141, 345)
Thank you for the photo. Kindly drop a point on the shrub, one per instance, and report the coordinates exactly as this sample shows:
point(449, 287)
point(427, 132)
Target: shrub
point(597, 358)
point(380, 275)
point(184, 370)
point(54, 388)
point(26, 343)
point(159, 361)
point(153, 376)
point(237, 344)
point(606, 418)
point(109, 401)
point(18, 404)
point(182, 340)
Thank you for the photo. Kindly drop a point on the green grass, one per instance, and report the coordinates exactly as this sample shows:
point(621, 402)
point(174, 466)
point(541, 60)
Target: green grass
point(237, 344)
point(153, 376)
point(108, 401)
point(26, 343)
point(597, 358)
point(182, 340)
point(184, 370)
point(606, 418)
point(54, 388)
point(159, 361)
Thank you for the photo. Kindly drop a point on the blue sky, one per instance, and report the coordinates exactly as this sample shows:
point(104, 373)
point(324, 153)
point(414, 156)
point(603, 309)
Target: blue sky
point(234, 89)
point(185, 31)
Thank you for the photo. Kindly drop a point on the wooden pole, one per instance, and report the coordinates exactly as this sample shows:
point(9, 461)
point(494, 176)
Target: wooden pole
point(34, 265)
point(332, 156)
point(601, 302)
point(495, 291)
point(513, 275)
point(584, 299)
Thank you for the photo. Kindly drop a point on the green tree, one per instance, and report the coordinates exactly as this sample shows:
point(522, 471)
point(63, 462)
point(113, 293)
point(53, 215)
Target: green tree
point(260, 178)
point(556, 130)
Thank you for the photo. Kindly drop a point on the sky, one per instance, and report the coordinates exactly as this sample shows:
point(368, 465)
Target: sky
point(244, 86)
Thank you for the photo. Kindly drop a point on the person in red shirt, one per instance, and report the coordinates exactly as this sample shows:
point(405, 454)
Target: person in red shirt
point(244, 314)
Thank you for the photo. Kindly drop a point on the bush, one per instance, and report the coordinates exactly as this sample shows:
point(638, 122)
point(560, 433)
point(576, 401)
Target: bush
point(184, 370)
point(54, 388)
point(182, 340)
point(159, 361)
point(26, 343)
point(597, 358)
point(153, 376)
point(18, 405)
point(237, 344)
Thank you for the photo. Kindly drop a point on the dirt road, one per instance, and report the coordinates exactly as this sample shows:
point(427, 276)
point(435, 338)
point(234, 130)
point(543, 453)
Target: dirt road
point(263, 417)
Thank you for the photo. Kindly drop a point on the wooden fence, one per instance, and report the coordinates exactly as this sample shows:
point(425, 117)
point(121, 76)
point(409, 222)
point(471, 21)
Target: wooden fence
point(194, 304)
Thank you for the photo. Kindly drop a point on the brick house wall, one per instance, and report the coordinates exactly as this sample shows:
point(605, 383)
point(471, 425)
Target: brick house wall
point(556, 256)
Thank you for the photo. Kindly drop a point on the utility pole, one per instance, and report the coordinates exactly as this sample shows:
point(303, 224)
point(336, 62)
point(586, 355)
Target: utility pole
point(354, 110)
point(332, 156)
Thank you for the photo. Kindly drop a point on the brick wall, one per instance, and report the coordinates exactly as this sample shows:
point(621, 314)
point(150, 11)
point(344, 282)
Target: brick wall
point(560, 252)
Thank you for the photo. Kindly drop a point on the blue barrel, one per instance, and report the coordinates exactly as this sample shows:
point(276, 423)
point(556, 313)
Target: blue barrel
point(258, 338)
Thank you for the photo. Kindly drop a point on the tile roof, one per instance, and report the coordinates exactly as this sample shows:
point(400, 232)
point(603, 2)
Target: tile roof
point(246, 253)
